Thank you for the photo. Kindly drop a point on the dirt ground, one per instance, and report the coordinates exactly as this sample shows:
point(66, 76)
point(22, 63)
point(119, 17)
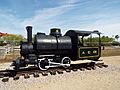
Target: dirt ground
point(99, 79)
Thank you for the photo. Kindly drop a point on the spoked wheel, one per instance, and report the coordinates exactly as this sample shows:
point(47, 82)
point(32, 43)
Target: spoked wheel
point(67, 61)
point(42, 63)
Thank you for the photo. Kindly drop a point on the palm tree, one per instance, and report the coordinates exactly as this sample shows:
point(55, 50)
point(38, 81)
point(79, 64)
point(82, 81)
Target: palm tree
point(117, 37)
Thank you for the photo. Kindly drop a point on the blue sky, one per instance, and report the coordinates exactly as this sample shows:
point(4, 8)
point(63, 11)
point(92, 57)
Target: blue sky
point(102, 15)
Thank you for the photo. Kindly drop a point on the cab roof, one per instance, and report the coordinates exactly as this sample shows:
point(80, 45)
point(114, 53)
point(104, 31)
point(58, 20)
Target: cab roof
point(81, 33)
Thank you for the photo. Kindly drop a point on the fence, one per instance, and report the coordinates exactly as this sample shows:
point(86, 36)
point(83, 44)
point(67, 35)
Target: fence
point(3, 53)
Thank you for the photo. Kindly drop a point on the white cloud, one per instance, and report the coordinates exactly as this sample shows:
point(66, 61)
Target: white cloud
point(42, 20)
point(46, 18)
point(108, 27)
point(9, 23)
point(47, 13)
point(68, 1)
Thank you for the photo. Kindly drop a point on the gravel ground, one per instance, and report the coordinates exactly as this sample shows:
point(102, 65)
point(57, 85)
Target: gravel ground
point(4, 66)
point(99, 79)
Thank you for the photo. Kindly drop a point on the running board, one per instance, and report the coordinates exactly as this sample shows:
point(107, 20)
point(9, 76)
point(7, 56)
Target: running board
point(85, 61)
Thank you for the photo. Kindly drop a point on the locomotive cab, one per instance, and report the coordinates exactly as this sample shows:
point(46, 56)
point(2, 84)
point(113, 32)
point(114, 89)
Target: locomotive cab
point(85, 44)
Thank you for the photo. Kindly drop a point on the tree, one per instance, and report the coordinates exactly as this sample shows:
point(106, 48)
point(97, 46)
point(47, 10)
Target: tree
point(117, 37)
point(13, 39)
point(103, 39)
point(106, 39)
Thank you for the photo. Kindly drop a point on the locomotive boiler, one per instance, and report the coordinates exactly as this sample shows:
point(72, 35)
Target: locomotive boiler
point(56, 50)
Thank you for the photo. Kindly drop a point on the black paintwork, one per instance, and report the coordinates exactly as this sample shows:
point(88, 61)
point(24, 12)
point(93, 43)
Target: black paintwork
point(57, 45)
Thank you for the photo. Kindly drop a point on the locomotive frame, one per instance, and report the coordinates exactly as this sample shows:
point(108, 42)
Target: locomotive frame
point(55, 50)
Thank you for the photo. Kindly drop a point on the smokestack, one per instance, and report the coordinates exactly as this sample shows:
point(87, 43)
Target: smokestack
point(29, 34)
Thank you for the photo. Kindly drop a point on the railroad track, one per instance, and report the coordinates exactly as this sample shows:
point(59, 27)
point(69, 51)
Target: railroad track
point(26, 72)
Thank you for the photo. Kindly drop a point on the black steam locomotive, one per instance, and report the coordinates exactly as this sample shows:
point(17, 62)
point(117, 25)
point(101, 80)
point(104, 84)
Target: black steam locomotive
point(55, 50)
